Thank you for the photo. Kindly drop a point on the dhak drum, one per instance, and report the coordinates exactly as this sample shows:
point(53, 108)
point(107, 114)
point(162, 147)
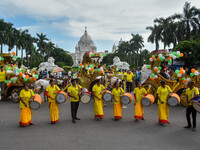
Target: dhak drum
point(61, 97)
point(196, 104)
point(174, 100)
point(107, 96)
point(148, 100)
point(126, 98)
point(85, 96)
point(36, 103)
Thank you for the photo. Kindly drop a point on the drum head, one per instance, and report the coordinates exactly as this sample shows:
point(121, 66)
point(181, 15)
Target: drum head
point(125, 100)
point(107, 97)
point(172, 101)
point(85, 98)
point(146, 102)
point(196, 106)
point(35, 105)
point(60, 98)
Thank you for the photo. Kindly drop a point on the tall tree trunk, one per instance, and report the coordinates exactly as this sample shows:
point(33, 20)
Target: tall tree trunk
point(16, 51)
point(31, 60)
point(22, 57)
point(188, 31)
point(1, 48)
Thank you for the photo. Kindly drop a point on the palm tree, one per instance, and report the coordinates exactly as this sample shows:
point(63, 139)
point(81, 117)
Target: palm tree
point(16, 36)
point(22, 42)
point(155, 35)
point(188, 21)
point(9, 36)
point(2, 33)
point(137, 43)
point(41, 43)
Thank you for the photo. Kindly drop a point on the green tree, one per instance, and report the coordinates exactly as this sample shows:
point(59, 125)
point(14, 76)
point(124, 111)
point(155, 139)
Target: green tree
point(41, 43)
point(188, 21)
point(191, 50)
point(155, 35)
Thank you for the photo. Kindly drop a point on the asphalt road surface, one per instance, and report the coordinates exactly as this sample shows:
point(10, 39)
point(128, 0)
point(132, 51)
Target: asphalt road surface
point(88, 134)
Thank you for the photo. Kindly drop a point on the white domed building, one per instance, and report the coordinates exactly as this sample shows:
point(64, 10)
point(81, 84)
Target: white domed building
point(85, 44)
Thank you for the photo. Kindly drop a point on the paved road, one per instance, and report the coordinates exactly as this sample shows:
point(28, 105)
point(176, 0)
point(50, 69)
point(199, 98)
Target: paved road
point(88, 134)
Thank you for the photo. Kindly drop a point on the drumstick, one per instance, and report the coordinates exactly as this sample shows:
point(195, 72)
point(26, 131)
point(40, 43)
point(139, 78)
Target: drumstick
point(65, 87)
point(149, 88)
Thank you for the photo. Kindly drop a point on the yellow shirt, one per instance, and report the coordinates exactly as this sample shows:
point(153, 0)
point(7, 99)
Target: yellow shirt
point(163, 93)
point(74, 91)
point(117, 94)
point(129, 77)
point(98, 89)
point(51, 90)
point(25, 95)
point(189, 93)
point(139, 93)
point(2, 76)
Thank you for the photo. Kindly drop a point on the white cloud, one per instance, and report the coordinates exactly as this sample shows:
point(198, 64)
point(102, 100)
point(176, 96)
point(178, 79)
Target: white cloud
point(106, 19)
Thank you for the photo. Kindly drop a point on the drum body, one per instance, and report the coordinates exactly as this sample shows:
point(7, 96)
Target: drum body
point(61, 97)
point(86, 96)
point(126, 98)
point(36, 103)
point(107, 96)
point(174, 100)
point(196, 104)
point(148, 100)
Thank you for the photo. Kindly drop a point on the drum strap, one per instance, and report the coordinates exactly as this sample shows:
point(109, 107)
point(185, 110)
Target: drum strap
point(193, 94)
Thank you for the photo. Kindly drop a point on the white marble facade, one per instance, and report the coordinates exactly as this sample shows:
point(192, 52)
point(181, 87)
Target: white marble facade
point(85, 44)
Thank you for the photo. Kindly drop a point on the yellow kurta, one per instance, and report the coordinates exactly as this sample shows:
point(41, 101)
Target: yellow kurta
point(53, 105)
point(117, 110)
point(2, 76)
point(163, 109)
point(98, 104)
point(189, 92)
point(25, 115)
point(138, 107)
point(74, 91)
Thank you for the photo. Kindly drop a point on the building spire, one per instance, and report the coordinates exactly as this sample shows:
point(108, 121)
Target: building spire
point(85, 29)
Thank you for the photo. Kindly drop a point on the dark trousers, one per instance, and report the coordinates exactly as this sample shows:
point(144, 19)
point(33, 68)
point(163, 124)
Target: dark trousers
point(74, 108)
point(129, 86)
point(190, 110)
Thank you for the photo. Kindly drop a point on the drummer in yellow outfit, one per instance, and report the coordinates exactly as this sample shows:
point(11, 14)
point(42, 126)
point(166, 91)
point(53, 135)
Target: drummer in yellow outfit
point(97, 91)
point(26, 95)
point(139, 93)
point(117, 93)
point(51, 92)
point(163, 93)
point(74, 91)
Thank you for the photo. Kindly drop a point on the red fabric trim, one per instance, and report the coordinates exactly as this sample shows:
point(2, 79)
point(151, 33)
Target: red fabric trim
point(164, 121)
point(99, 116)
point(24, 124)
point(146, 94)
point(138, 117)
point(54, 121)
point(134, 95)
point(118, 117)
point(59, 91)
point(47, 94)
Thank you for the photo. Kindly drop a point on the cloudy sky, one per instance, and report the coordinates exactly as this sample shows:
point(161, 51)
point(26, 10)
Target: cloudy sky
point(63, 21)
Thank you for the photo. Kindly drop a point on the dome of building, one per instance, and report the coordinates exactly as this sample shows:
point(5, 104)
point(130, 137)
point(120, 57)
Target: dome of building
point(86, 39)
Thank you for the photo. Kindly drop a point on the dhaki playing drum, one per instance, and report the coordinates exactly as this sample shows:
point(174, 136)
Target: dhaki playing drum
point(196, 104)
point(85, 96)
point(36, 103)
point(61, 97)
point(107, 96)
point(126, 98)
point(148, 100)
point(174, 99)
